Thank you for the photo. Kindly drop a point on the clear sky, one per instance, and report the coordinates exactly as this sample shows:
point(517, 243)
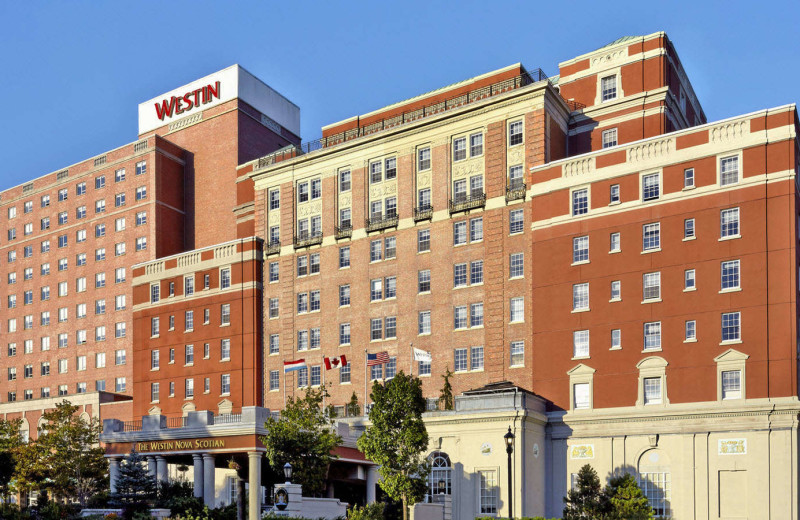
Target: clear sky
point(74, 72)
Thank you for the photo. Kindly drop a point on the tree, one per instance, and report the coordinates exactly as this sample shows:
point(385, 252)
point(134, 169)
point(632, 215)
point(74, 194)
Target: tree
point(66, 458)
point(586, 500)
point(136, 489)
point(10, 444)
point(396, 439)
point(627, 500)
point(446, 396)
point(353, 410)
point(303, 436)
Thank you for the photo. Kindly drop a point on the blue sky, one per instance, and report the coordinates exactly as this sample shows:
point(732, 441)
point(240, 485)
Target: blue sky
point(74, 72)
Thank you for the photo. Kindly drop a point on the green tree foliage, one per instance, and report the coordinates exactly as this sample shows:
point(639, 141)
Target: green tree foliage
point(303, 436)
point(446, 399)
point(627, 500)
point(353, 410)
point(10, 444)
point(65, 459)
point(586, 499)
point(136, 489)
point(396, 439)
point(372, 511)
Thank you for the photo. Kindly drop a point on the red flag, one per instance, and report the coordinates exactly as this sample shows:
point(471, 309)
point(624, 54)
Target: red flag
point(335, 362)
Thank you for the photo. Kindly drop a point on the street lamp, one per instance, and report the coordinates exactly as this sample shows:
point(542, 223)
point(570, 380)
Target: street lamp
point(509, 438)
point(287, 472)
point(442, 485)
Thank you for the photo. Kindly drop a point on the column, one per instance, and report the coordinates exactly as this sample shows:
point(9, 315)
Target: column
point(151, 466)
point(254, 479)
point(113, 473)
point(162, 473)
point(197, 467)
point(208, 480)
point(372, 481)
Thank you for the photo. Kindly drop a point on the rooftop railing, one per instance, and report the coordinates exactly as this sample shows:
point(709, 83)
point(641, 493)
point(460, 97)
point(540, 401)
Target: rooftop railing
point(408, 116)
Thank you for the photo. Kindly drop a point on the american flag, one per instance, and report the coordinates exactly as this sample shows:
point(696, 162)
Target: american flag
point(377, 359)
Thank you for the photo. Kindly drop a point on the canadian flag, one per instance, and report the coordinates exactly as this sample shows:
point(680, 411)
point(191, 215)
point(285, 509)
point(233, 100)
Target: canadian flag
point(335, 362)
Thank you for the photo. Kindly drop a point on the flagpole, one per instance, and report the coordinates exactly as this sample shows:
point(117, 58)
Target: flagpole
point(284, 386)
point(323, 370)
point(411, 363)
point(365, 381)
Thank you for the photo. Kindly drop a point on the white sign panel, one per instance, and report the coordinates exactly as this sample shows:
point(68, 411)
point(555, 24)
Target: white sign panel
point(732, 446)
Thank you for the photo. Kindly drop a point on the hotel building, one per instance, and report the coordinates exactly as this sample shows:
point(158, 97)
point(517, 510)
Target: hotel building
point(601, 268)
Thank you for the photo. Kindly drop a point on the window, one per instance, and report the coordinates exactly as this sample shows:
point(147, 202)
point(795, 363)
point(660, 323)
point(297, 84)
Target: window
point(580, 249)
point(488, 493)
point(274, 308)
point(476, 358)
point(580, 202)
point(100, 280)
point(652, 335)
point(515, 176)
point(99, 255)
point(476, 272)
point(141, 218)
point(651, 236)
point(315, 301)
point(516, 265)
point(731, 384)
point(515, 133)
point(616, 339)
point(730, 274)
point(154, 392)
point(516, 221)
point(391, 287)
point(119, 275)
point(729, 223)
point(688, 280)
point(652, 390)
point(44, 224)
point(154, 326)
point(424, 199)
point(651, 286)
point(460, 317)
point(141, 167)
point(460, 275)
point(609, 138)
point(424, 281)
point(155, 360)
point(608, 88)
point(459, 149)
point(475, 145)
point(225, 278)
point(614, 194)
point(225, 383)
point(225, 314)
point(731, 326)
point(62, 240)
point(344, 257)
point(120, 357)
point(690, 330)
point(375, 250)
point(188, 388)
point(141, 243)
point(390, 246)
point(728, 170)
point(651, 188)
point(274, 380)
point(423, 159)
point(460, 360)
point(119, 200)
point(316, 189)
point(99, 182)
point(688, 229)
point(390, 326)
point(581, 393)
point(302, 340)
point(141, 193)
point(424, 322)
point(580, 344)
point(580, 297)
point(615, 243)
point(459, 233)
point(189, 320)
point(344, 295)
point(517, 310)
point(517, 353)
point(45, 201)
point(345, 219)
point(344, 334)
point(688, 178)
point(376, 329)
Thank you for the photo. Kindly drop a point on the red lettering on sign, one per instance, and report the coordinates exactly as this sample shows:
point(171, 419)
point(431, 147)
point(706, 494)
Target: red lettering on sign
point(191, 99)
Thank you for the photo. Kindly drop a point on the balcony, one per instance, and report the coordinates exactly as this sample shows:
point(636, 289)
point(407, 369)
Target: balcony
point(424, 212)
point(274, 247)
point(346, 231)
point(516, 191)
point(462, 202)
point(307, 239)
point(380, 222)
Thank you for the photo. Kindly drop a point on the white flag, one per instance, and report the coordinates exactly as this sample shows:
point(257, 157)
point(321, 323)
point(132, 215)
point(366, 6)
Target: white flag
point(421, 355)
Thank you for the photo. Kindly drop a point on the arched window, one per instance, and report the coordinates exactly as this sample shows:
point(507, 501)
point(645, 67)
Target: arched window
point(440, 472)
point(656, 482)
point(25, 430)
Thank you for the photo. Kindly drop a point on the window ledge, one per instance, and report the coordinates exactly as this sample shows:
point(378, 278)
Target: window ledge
point(648, 251)
point(424, 375)
point(688, 188)
point(275, 390)
point(687, 239)
point(692, 340)
point(191, 398)
point(226, 360)
point(424, 334)
point(581, 357)
point(225, 394)
point(615, 203)
point(651, 300)
point(576, 311)
point(580, 262)
point(517, 366)
point(614, 300)
point(730, 342)
point(188, 330)
point(151, 370)
point(615, 348)
point(690, 289)
point(732, 289)
point(646, 350)
point(517, 278)
point(614, 251)
point(729, 237)
point(345, 267)
point(340, 344)
point(228, 324)
point(156, 336)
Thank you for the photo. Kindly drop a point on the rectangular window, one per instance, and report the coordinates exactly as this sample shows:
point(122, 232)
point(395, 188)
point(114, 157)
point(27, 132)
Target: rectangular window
point(390, 327)
point(580, 249)
point(459, 233)
point(344, 257)
point(141, 193)
point(652, 390)
point(688, 280)
point(155, 360)
point(188, 286)
point(730, 274)
point(316, 189)
point(424, 199)
point(424, 322)
point(390, 283)
point(729, 223)
point(488, 493)
point(141, 243)
point(581, 394)
point(460, 360)
point(476, 358)
point(460, 275)
point(344, 334)
point(690, 330)
point(423, 159)
point(516, 221)
point(375, 250)
point(688, 228)
point(476, 315)
point(651, 286)
point(460, 317)
point(516, 265)
point(616, 339)
point(651, 188)
point(273, 272)
point(731, 384)
point(608, 88)
point(189, 320)
point(302, 340)
point(225, 314)
point(731, 330)
point(302, 265)
point(390, 246)
point(614, 194)
point(610, 138)
point(475, 145)
point(459, 149)
point(580, 296)
point(274, 308)
point(344, 180)
point(141, 167)
point(476, 272)
point(515, 176)
point(315, 300)
point(615, 243)
point(728, 170)
point(376, 289)
point(652, 335)
point(580, 344)
point(580, 202)
point(424, 281)
point(651, 236)
point(424, 368)
point(274, 380)
point(517, 306)
point(344, 295)
point(274, 199)
point(225, 383)
point(188, 388)
point(515, 133)
point(376, 329)
point(476, 229)
point(154, 392)
point(688, 178)
point(517, 353)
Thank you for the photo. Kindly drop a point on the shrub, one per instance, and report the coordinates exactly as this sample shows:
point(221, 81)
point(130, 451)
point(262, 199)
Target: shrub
point(374, 511)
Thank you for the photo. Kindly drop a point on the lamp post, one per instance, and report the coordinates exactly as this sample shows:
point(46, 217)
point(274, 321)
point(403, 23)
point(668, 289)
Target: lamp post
point(509, 438)
point(442, 485)
point(287, 472)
